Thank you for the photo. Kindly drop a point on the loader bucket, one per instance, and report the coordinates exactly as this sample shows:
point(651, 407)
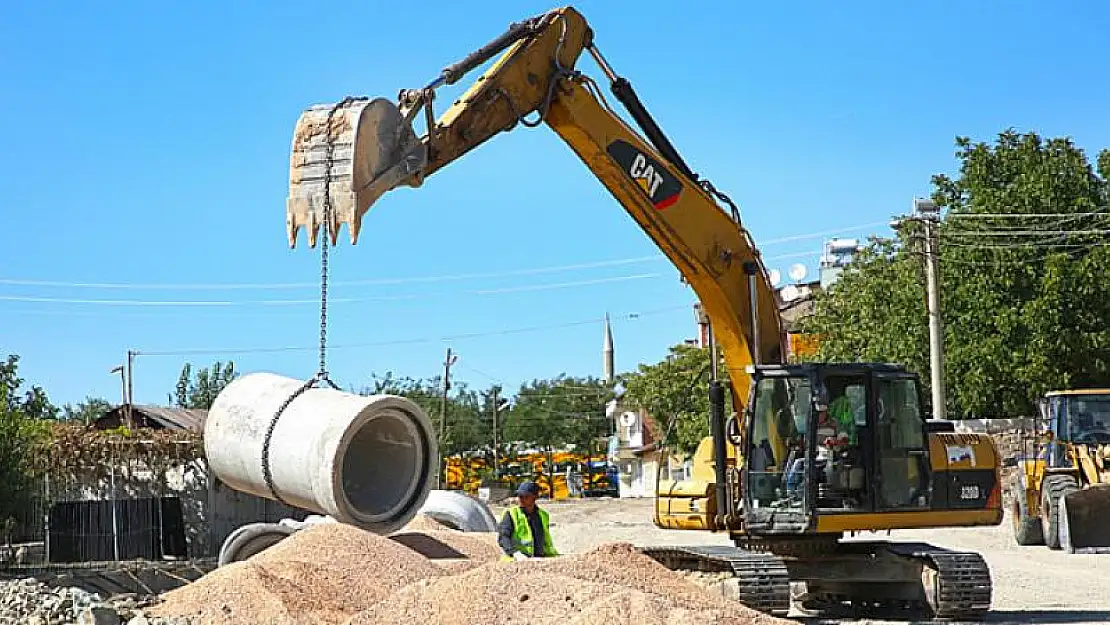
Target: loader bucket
point(373, 149)
point(1085, 520)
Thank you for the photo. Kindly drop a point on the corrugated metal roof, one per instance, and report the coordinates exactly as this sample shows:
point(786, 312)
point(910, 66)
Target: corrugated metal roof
point(165, 416)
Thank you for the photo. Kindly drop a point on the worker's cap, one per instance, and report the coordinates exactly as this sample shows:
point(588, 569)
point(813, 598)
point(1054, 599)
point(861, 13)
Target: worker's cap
point(528, 488)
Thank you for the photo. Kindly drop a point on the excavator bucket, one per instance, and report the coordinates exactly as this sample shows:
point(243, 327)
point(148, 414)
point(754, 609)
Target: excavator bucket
point(357, 149)
point(1085, 520)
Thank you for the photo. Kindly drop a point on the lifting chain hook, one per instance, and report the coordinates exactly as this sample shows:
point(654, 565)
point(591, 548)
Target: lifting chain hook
point(330, 228)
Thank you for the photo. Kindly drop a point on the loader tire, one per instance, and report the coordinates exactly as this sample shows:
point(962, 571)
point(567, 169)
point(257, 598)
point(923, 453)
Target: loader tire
point(1027, 529)
point(459, 511)
point(1052, 489)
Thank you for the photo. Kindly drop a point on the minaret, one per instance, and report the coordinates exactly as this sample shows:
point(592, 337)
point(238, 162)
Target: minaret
point(607, 353)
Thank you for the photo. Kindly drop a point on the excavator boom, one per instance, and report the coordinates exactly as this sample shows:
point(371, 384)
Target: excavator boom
point(787, 514)
point(362, 148)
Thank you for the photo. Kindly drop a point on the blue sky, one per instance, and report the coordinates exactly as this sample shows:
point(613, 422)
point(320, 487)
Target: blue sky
point(148, 144)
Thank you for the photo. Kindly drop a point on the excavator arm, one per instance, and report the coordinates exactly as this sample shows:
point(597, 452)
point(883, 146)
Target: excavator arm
point(361, 148)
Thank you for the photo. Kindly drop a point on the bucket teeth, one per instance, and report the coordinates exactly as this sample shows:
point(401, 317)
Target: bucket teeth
point(372, 150)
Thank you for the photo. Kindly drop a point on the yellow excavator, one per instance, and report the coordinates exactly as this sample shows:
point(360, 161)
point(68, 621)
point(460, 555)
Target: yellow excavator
point(811, 454)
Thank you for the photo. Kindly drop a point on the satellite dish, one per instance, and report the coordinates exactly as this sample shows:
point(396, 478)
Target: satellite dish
point(797, 272)
point(628, 419)
point(774, 276)
point(789, 293)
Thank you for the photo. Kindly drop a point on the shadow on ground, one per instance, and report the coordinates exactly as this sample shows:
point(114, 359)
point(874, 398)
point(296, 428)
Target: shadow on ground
point(1016, 617)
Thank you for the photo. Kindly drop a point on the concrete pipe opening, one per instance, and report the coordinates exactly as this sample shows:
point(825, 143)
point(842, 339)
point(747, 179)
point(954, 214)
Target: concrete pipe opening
point(383, 466)
point(363, 460)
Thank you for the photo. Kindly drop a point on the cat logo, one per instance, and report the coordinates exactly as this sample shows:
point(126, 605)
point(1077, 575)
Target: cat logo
point(657, 183)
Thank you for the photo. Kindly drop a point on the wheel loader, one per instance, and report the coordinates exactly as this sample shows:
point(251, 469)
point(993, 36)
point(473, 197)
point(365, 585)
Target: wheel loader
point(810, 454)
point(1060, 493)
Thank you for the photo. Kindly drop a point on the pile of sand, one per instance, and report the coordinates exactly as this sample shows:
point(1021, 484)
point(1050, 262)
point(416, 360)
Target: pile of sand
point(335, 574)
point(613, 584)
point(454, 550)
point(322, 574)
point(424, 523)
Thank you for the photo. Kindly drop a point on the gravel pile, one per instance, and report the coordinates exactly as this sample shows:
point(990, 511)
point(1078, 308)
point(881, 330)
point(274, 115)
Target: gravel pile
point(335, 574)
point(455, 551)
point(29, 602)
point(613, 584)
point(322, 574)
point(424, 523)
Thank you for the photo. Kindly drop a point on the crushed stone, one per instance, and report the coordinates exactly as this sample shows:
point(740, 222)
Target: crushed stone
point(613, 584)
point(321, 574)
point(454, 550)
point(423, 523)
point(28, 601)
point(336, 574)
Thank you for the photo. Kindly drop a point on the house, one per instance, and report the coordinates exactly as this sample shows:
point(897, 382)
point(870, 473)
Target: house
point(126, 507)
point(634, 450)
point(155, 417)
point(795, 302)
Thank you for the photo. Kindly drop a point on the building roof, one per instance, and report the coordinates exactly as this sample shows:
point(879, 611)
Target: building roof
point(161, 417)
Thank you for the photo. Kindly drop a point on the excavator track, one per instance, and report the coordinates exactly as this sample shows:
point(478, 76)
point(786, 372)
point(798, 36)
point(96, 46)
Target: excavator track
point(763, 582)
point(957, 584)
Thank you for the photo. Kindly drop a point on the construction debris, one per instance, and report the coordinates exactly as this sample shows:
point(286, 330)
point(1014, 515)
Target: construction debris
point(336, 574)
point(30, 602)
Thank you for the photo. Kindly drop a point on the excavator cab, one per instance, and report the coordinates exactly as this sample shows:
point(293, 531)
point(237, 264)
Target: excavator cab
point(828, 439)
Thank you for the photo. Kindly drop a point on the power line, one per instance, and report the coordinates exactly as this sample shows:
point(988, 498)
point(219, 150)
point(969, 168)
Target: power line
point(455, 337)
point(1008, 233)
point(1023, 215)
point(331, 300)
point(406, 280)
point(815, 235)
point(306, 285)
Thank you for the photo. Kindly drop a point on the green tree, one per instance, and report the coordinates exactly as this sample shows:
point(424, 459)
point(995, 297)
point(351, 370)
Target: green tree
point(1023, 296)
point(86, 411)
point(467, 428)
point(552, 414)
point(876, 309)
point(23, 426)
point(677, 388)
point(200, 391)
point(33, 403)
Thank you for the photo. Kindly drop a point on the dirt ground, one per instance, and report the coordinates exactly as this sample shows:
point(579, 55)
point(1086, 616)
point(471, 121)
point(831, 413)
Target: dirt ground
point(1031, 584)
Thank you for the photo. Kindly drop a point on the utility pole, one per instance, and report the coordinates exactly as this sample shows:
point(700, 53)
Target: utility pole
point(496, 452)
point(450, 360)
point(927, 214)
point(130, 385)
point(929, 217)
point(123, 392)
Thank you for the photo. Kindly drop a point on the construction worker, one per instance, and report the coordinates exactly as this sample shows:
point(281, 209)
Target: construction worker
point(524, 531)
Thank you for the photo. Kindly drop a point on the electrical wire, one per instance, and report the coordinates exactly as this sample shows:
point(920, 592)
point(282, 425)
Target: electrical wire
point(315, 285)
point(407, 280)
point(455, 337)
point(331, 300)
point(1023, 215)
point(1010, 233)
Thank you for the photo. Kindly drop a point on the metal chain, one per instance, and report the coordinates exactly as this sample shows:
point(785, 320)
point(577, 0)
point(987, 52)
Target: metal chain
point(322, 373)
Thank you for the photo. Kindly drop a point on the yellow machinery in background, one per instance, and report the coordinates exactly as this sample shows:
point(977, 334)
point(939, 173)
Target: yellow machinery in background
point(1060, 494)
point(813, 452)
point(471, 473)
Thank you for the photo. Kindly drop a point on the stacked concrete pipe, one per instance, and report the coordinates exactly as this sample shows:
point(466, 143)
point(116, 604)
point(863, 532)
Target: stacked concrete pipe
point(365, 461)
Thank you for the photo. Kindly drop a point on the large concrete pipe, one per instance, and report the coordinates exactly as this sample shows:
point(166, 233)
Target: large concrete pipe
point(366, 461)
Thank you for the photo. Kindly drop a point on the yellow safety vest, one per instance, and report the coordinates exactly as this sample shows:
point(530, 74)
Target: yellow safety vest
point(522, 533)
